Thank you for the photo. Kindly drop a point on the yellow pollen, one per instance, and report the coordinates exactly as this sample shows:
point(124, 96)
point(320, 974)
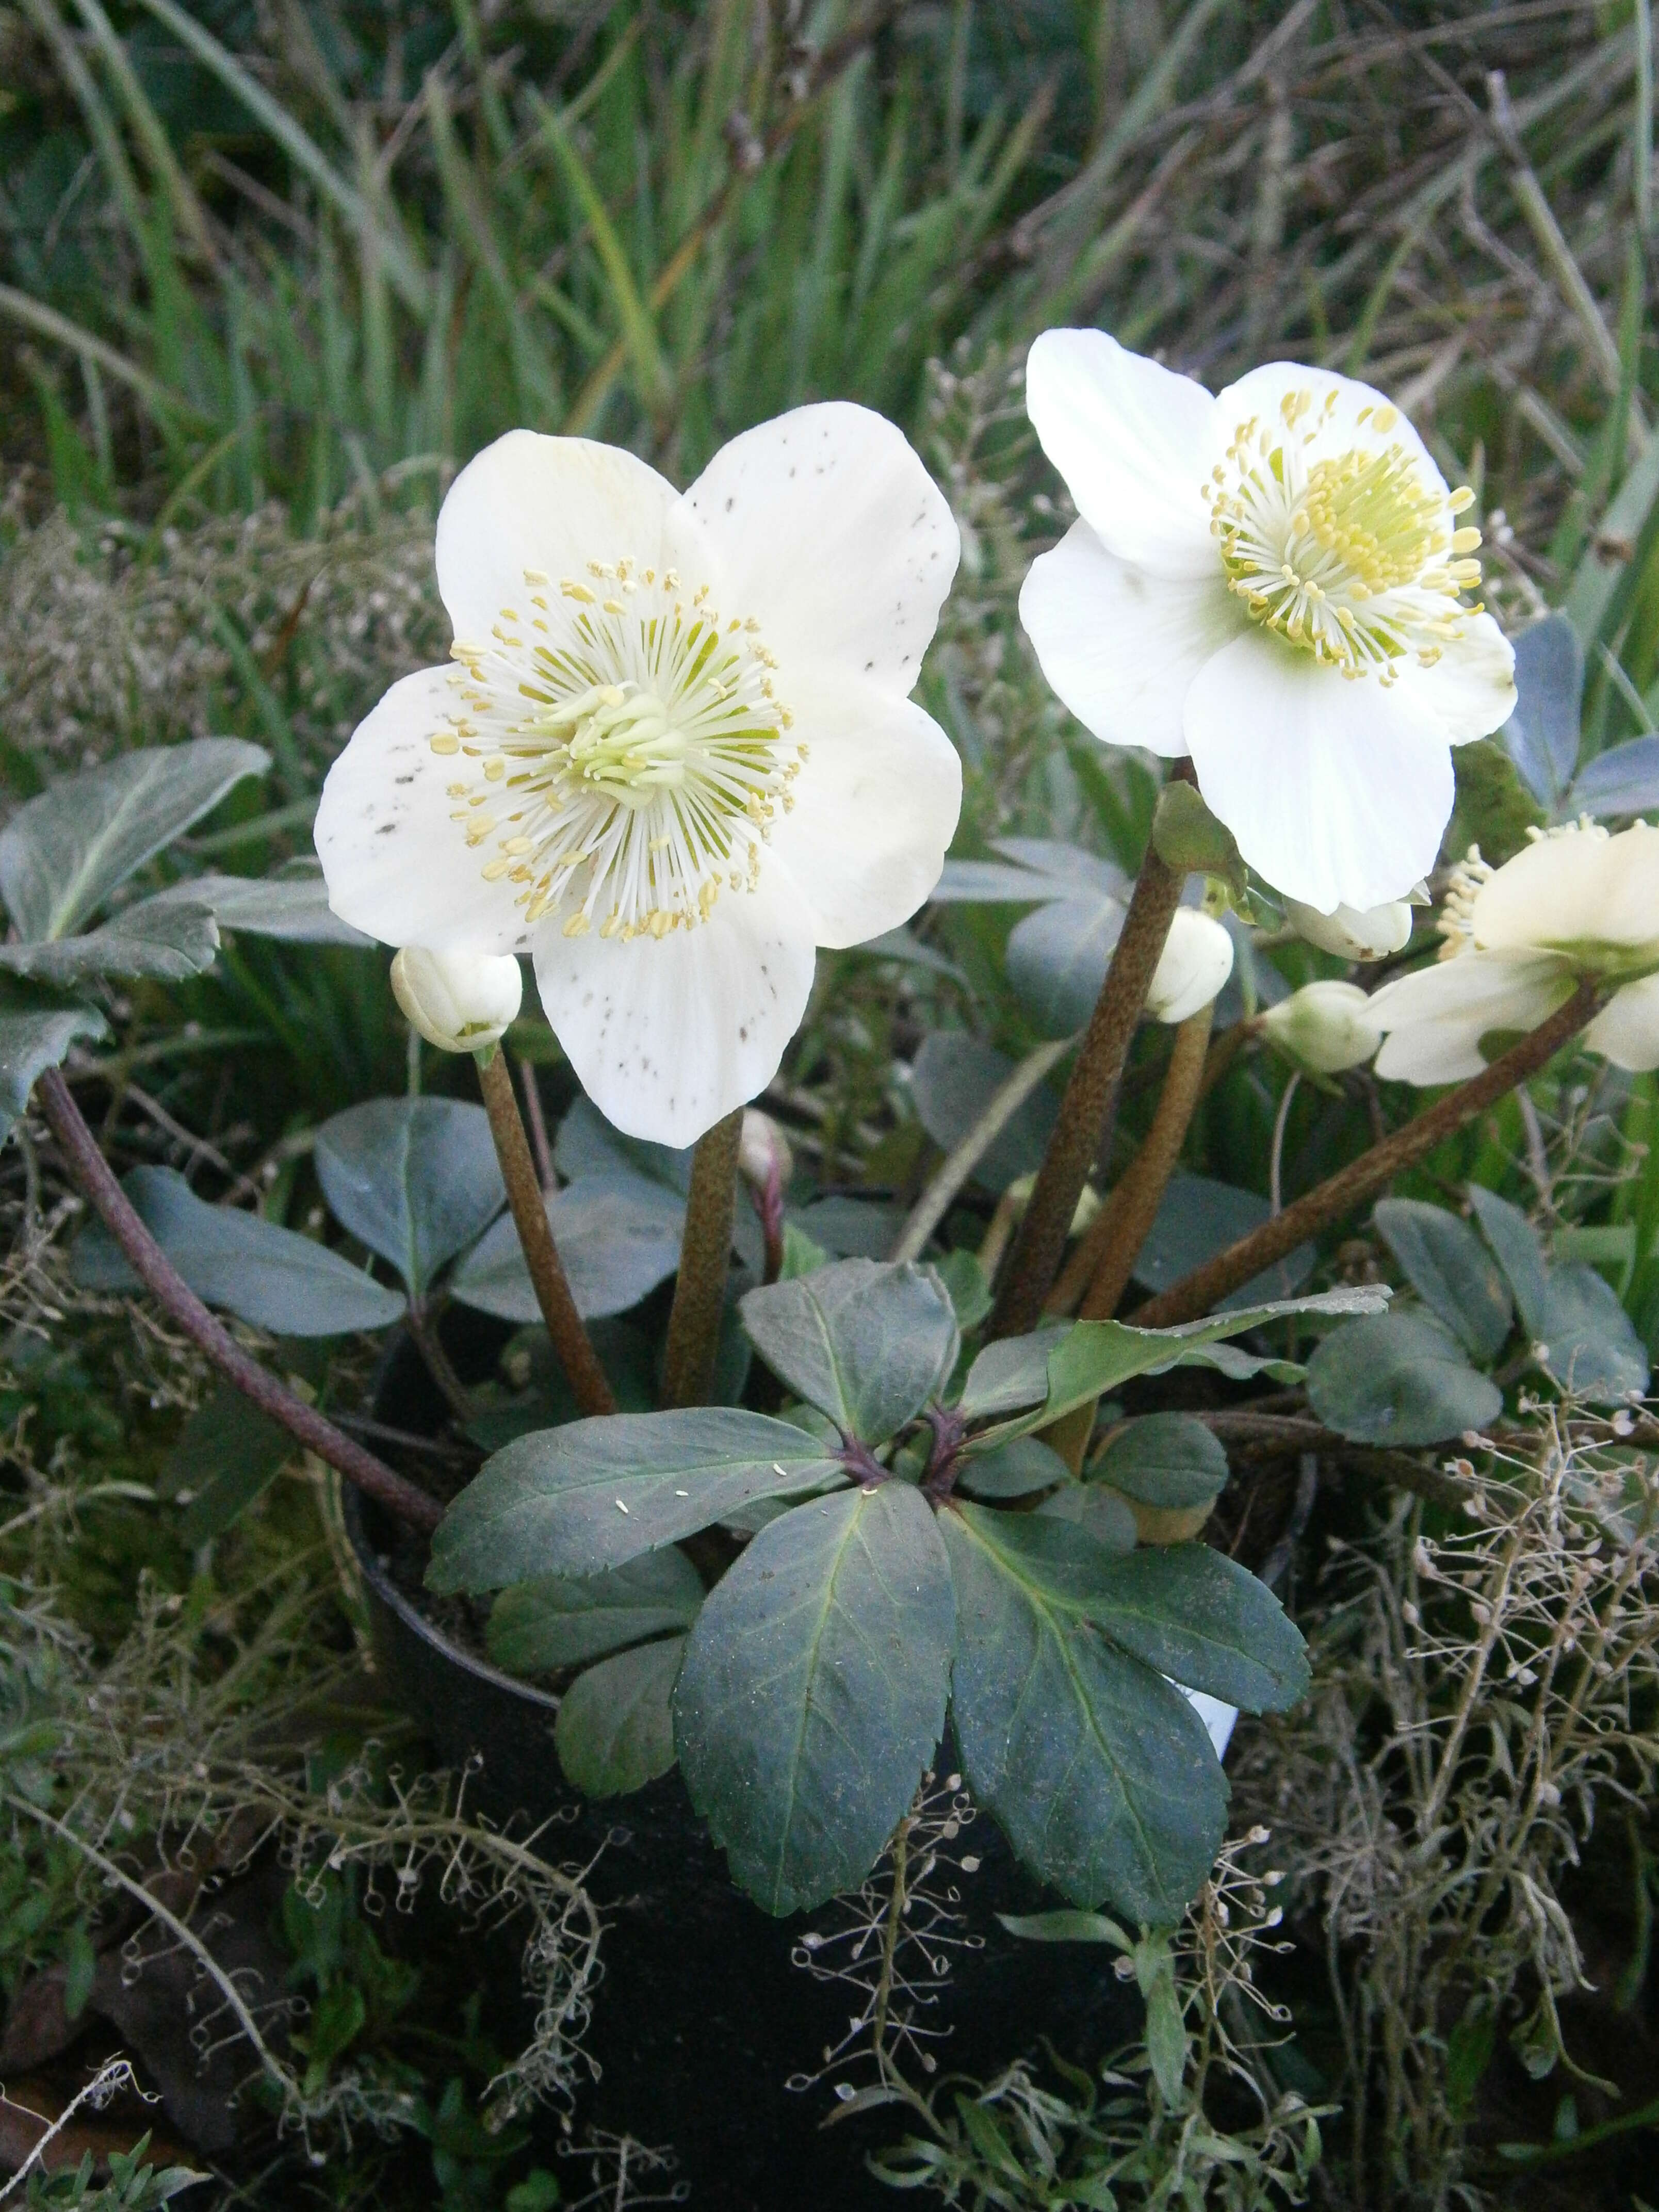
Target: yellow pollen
point(444, 741)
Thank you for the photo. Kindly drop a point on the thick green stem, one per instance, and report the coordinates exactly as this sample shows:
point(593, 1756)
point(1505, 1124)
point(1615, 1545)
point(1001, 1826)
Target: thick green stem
point(571, 1343)
point(158, 1275)
point(694, 1326)
point(1095, 1076)
point(1329, 1201)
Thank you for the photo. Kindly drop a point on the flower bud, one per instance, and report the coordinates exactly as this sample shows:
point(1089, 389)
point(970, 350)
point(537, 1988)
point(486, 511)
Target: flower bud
point(764, 1160)
point(1197, 960)
point(460, 1001)
point(1354, 932)
point(1324, 1027)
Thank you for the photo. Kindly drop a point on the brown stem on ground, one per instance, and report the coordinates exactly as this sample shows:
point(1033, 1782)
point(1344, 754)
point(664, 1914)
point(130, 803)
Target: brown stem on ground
point(209, 1334)
point(571, 1344)
point(1329, 1201)
point(1095, 1076)
point(694, 1326)
point(1248, 1434)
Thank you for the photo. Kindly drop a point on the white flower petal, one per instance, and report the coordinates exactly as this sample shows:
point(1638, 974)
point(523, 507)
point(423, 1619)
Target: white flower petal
point(1196, 961)
point(1342, 418)
point(668, 1035)
point(1626, 1031)
point(1470, 691)
point(546, 504)
point(830, 533)
point(1121, 646)
point(396, 865)
point(1335, 790)
point(1350, 933)
point(1436, 1017)
point(1135, 444)
point(876, 807)
point(1579, 890)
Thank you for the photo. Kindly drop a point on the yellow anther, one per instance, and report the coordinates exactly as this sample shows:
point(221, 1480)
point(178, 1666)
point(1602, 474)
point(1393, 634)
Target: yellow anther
point(444, 741)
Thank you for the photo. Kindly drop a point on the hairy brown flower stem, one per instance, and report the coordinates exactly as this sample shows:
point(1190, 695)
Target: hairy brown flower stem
point(693, 1325)
point(1096, 1276)
point(1095, 1076)
point(1329, 1201)
point(209, 1334)
point(571, 1343)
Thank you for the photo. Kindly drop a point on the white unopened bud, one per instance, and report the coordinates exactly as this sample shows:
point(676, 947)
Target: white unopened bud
point(1196, 962)
point(460, 1001)
point(1324, 1027)
point(763, 1153)
point(1354, 932)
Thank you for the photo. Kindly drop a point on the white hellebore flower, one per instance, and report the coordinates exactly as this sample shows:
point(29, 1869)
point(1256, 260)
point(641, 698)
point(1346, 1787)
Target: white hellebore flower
point(1272, 581)
point(1575, 904)
point(1324, 1027)
point(674, 751)
point(460, 1001)
point(1196, 961)
point(1350, 933)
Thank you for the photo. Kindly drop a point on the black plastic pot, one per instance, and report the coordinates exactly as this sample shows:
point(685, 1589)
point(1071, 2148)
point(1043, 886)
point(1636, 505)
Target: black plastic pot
point(702, 2014)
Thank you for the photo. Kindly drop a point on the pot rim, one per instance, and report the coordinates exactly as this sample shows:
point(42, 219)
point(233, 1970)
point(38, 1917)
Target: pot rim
point(373, 1570)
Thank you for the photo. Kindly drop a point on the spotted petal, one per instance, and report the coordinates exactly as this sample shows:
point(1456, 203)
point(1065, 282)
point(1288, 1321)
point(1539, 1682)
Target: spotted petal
point(1333, 789)
point(830, 534)
point(668, 1035)
point(1121, 646)
point(395, 863)
point(551, 504)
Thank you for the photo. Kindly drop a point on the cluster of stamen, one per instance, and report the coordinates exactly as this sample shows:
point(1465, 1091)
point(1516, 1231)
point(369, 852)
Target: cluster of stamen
point(1349, 556)
point(1458, 909)
point(627, 752)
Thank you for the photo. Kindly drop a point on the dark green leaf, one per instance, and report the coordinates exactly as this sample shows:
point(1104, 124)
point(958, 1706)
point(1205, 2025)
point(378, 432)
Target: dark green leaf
point(292, 908)
point(1167, 1460)
point(1196, 1219)
point(1033, 868)
point(63, 853)
point(599, 1492)
point(1096, 1358)
point(964, 1285)
point(36, 1035)
point(1592, 1349)
point(618, 1236)
point(1066, 1925)
point(1451, 1270)
point(1098, 1771)
point(260, 1272)
point(1100, 1513)
point(953, 1081)
point(851, 1228)
point(1542, 734)
point(813, 1691)
point(1057, 960)
point(414, 1179)
point(1624, 781)
point(1469, 2048)
point(1202, 1619)
point(163, 938)
point(561, 1621)
point(867, 1343)
point(588, 1145)
point(1399, 1379)
point(1520, 1254)
point(1015, 1469)
point(229, 1452)
point(1011, 1373)
point(616, 1727)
